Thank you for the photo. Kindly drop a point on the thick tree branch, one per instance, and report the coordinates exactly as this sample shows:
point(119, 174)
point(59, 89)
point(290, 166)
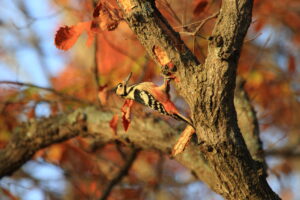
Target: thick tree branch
point(146, 133)
point(35, 135)
point(209, 91)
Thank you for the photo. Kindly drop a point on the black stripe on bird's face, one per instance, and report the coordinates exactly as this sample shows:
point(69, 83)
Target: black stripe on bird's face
point(121, 90)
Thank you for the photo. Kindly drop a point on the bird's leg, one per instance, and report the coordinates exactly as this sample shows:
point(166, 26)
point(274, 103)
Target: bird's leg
point(166, 85)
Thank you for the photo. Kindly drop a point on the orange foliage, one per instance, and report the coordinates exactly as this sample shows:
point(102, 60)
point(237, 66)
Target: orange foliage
point(72, 80)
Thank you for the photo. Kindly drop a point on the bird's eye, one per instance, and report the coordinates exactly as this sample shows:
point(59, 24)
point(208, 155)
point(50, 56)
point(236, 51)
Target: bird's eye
point(120, 85)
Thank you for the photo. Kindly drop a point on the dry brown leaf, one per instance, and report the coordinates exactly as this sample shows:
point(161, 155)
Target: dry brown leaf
point(183, 140)
point(66, 36)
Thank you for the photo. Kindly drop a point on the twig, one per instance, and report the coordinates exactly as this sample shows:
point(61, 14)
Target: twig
point(123, 172)
point(260, 52)
point(254, 38)
point(60, 94)
point(96, 66)
point(119, 149)
point(288, 153)
point(203, 22)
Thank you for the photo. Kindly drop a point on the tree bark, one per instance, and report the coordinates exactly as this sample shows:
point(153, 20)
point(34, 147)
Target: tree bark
point(209, 91)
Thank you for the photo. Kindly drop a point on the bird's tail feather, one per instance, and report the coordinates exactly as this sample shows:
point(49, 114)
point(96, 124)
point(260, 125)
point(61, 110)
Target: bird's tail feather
point(183, 118)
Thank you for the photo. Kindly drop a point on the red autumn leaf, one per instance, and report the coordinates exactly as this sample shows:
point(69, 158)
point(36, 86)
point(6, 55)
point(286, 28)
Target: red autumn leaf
point(200, 6)
point(126, 111)
point(182, 142)
point(66, 36)
point(292, 64)
point(114, 123)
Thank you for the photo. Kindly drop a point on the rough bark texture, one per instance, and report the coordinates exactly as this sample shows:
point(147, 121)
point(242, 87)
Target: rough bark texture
point(209, 91)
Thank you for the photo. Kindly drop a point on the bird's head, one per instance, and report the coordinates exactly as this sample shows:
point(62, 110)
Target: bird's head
point(121, 88)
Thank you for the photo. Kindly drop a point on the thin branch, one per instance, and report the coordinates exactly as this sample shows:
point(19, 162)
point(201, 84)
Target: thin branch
point(260, 52)
point(203, 22)
point(60, 94)
point(120, 150)
point(254, 38)
point(96, 67)
point(122, 173)
point(290, 151)
point(96, 64)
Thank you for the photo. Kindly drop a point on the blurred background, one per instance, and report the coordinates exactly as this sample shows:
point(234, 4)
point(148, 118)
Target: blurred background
point(71, 170)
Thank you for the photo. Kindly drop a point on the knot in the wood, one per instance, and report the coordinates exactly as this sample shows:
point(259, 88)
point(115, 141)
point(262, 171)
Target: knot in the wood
point(219, 41)
point(138, 18)
point(210, 148)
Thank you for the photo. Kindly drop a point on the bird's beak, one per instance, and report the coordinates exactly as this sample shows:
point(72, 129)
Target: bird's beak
point(127, 79)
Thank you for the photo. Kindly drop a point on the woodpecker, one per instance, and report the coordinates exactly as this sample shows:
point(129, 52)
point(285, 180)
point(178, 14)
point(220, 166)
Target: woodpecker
point(152, 96)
